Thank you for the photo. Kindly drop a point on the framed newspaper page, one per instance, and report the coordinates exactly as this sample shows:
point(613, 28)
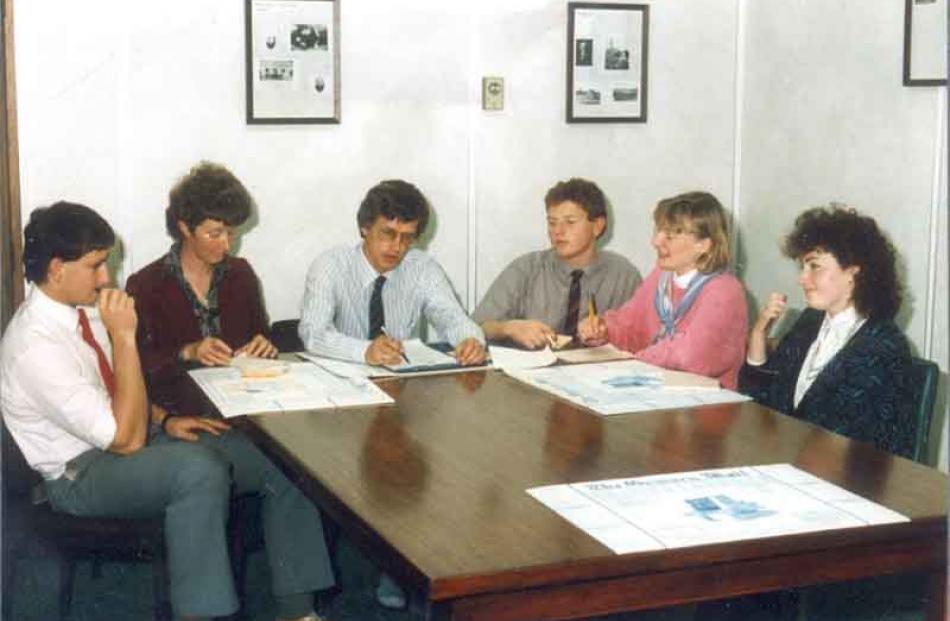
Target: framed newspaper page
point(292, 61)
point(607, 47)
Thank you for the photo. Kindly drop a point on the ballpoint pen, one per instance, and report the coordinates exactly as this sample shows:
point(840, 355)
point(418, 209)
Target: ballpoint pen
point(401, 353)
point(591, 307)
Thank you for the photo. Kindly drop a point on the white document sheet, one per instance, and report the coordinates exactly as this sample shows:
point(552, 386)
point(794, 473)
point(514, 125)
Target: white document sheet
point(420, 357)
point(709, 506)
point(511, 358)
point(626, 386)
point(343, 368)
point(304, 387)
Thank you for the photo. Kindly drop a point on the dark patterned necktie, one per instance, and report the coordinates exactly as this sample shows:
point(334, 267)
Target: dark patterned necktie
point(377, 318)
point(105, 371)
point(573, 303)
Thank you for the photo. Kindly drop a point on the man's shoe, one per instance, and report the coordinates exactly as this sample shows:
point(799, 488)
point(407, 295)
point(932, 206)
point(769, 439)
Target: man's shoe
point(389, 594)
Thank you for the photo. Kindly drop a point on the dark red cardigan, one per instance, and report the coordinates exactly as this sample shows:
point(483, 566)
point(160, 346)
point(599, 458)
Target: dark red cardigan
point(167, 322)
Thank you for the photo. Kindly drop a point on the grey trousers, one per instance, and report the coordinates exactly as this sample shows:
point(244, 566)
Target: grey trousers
point(191, 484)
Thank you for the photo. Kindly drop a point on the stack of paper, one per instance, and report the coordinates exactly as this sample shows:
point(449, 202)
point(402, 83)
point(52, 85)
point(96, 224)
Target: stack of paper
point(303, 387)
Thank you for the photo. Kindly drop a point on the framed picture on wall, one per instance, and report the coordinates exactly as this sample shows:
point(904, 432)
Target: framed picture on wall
point(292, 61)
point(607, 47)
point(925, 42)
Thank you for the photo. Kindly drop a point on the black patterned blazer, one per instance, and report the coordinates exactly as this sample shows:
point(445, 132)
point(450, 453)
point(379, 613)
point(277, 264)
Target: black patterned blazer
point(861, 393)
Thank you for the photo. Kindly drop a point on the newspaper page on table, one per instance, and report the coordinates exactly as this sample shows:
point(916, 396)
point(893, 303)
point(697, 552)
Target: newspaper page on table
point(626, 386)
point(709, 506)
point(303, 386)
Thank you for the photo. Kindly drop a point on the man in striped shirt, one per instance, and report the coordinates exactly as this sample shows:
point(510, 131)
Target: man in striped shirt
point(362, 301)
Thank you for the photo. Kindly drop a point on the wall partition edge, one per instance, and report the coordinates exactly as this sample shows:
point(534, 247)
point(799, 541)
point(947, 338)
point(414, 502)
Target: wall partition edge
point(11, 281)
point(738, 95)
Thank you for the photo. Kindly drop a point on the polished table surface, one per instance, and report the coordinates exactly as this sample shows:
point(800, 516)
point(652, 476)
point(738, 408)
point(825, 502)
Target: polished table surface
point(433, 489)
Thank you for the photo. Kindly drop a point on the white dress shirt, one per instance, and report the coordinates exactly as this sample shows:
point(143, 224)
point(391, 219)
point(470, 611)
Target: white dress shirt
point(834, 334)
point(334, 320)
point(52, 396)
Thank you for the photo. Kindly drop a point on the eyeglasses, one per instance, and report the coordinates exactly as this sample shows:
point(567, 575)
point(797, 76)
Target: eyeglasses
point(219, 233)
point(392, 235)
point(670, 233)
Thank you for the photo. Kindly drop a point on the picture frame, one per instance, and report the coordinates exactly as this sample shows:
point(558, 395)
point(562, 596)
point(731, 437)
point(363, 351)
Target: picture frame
point(292, 61)
point(925, 42)
point(607, 68)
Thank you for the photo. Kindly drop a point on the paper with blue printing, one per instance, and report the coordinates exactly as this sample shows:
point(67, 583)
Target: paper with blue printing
point(704, 507)
point(626, 386)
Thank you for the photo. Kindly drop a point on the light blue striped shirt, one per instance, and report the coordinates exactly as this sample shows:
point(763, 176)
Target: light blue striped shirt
point(334, 320)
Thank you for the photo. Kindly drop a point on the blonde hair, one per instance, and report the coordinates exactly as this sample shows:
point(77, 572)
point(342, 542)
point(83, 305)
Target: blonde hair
point(700, 214)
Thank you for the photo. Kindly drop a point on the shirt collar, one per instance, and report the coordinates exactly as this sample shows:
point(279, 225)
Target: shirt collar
point(63, 314)
point(682, 280)
point(172, 262)
point(844, 320)
point(366, 272)
point(565, 270)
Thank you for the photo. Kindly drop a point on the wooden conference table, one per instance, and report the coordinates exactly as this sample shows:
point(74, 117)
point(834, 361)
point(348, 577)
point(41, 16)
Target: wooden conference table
point(433, 490)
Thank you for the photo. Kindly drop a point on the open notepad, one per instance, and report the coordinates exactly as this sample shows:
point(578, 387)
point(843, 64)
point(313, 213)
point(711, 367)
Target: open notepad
point(421, 357)
point(514, 358)
point(423, 360)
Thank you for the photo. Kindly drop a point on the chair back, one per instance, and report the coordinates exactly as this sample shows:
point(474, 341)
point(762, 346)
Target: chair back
point(18, 478)
point(923, 378)
point(283, 334)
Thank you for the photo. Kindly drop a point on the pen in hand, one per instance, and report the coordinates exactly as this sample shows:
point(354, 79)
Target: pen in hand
point(401, 352)
point(591, 307)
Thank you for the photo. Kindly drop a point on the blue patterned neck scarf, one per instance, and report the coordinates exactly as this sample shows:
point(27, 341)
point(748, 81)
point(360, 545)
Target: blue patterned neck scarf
point(663, 302)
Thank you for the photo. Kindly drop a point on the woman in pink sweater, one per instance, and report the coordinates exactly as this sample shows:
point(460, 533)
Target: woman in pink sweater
point(689, 314)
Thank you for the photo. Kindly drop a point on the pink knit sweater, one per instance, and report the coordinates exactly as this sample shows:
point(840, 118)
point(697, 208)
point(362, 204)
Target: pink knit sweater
point(709, 340)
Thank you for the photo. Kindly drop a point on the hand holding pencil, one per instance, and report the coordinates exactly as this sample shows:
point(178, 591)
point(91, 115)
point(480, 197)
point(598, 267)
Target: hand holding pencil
point(592, 330)
point(385, 350)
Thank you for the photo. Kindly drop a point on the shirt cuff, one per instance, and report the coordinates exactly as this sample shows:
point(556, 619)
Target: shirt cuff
point(755, 363)
point(102, 433)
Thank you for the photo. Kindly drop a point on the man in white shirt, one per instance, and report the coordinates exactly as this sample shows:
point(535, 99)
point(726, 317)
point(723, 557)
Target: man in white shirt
point(74, 400)
point(362, 301)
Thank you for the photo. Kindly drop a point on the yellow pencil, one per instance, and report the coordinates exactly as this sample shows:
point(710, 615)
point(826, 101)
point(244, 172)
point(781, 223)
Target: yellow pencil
point(591, 307)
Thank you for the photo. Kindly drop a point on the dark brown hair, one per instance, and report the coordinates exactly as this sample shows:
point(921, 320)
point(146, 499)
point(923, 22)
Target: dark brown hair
point(854, 240)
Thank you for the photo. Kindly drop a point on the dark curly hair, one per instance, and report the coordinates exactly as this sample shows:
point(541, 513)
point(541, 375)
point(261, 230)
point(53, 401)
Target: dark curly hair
point(854, 240)
point(585, 194)
point(394, 199)
point(63, 231)
point(208, 192)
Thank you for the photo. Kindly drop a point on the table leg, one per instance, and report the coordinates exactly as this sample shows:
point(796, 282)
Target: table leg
point(438, 611)
point(937, 595)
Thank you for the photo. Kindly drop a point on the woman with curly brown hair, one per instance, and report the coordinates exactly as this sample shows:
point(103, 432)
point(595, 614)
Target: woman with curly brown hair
point(843, 363)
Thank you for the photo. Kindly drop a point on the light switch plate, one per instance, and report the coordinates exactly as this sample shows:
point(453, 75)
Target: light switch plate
point(493, 93)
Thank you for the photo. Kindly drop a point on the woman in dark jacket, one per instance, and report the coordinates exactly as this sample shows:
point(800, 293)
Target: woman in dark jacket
point(843, 365)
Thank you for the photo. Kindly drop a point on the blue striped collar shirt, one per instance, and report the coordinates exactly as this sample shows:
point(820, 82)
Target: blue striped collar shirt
point(334, 319)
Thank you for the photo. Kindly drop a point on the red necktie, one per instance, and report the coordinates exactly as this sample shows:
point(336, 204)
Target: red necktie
point(105, 371)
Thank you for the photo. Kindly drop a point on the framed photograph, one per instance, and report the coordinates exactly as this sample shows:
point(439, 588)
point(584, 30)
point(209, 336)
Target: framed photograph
point(925, 42)
point(292, 61)
point(607, 48)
